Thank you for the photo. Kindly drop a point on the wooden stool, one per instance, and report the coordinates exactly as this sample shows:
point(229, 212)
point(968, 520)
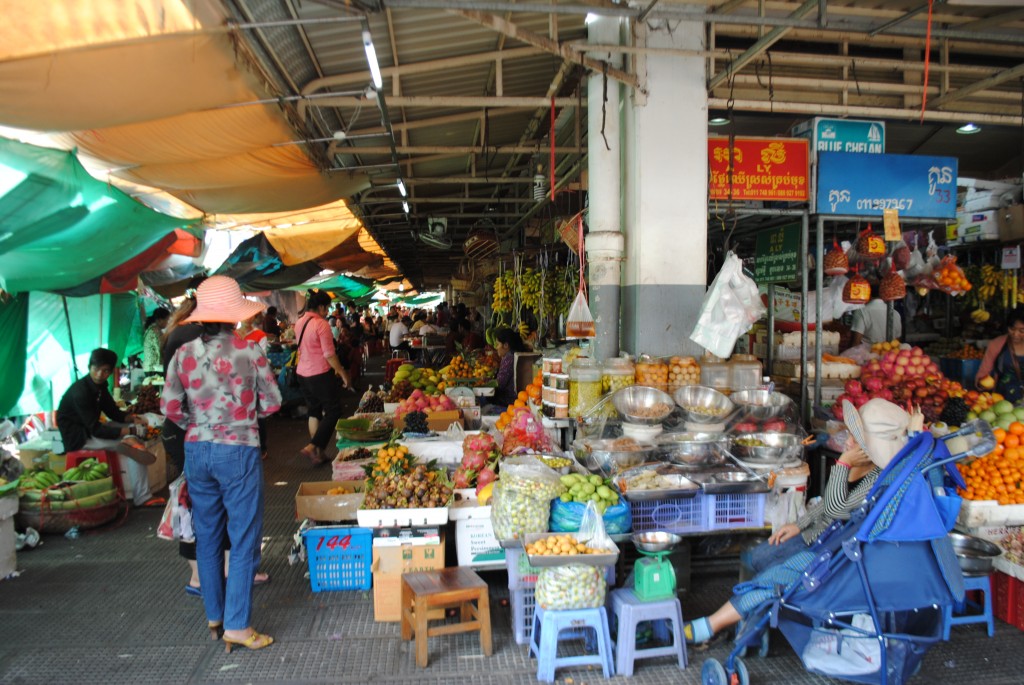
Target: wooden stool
point(425, 596)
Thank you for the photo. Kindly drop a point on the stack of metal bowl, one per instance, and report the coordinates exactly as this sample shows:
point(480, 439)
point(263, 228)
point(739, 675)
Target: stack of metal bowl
point(767, 449)
point(609, 457)
point(692, 449)
point(762, 404)
point(974, 554)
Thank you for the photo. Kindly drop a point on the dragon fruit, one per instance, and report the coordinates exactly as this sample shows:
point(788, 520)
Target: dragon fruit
point(462, 479)
point(485, 477)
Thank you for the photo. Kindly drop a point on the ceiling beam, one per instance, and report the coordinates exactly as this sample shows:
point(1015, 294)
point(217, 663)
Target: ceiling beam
point(823, 109)
point(993, 80)
point(564, 50)
point(481, 200)
point(467, 180)
point(769, 39)
point(997, 20)
point(449, 102)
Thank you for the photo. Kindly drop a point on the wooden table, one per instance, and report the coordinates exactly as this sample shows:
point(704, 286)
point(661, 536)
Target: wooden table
point(426, 595)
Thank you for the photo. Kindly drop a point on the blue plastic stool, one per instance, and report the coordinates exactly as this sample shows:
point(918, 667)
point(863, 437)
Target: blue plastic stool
point(629, 612)
point(983, 584)
point(547, 629)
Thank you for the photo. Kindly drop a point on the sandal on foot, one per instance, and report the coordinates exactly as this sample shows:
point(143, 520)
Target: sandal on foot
point(193, 590)
point(261, 579)
point(216, 628)
point(314, 456)
point(253, 642)
point(698, 631)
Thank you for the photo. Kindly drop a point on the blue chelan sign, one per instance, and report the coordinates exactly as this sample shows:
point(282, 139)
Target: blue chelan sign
point(843, 135)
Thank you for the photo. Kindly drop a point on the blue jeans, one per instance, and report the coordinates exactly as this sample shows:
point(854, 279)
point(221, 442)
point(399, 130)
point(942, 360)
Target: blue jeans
point(765, 555)
point(225, 483)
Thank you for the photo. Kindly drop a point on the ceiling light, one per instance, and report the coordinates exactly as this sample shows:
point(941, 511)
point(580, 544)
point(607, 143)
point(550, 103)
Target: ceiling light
point(718, 121)
point(590, 18)
point(969, 128)
point(340, 135)
point(401, 188)
point(371, 59)
point(405, 206)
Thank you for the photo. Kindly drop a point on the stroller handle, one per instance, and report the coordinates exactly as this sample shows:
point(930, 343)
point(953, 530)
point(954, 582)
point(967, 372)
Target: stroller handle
point(978, 437)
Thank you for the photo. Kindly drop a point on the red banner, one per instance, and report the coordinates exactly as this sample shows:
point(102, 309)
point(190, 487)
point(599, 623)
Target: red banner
point(762, 169)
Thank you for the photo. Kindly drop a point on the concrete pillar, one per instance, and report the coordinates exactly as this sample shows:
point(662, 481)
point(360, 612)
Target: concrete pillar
point(665, 193)
point(605, 241)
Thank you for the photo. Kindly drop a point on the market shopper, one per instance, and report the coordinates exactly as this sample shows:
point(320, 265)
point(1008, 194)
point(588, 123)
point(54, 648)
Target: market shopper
point(78, 419)
point(151, 341)
point(321, 375)
point(399, 329)
point(270, 324)
point(868, 324)
point(216, 387)
point(879, 430)
point(508, 344)
point(1003, 360)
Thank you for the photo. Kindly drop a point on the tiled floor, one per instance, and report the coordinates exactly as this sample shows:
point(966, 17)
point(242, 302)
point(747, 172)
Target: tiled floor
point(109, 608)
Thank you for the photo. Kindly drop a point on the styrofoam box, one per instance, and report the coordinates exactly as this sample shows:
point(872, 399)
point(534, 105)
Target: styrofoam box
point(401, 518)
point(476, 545)
point(990, 533)
point(975, 514)
point(974, 226)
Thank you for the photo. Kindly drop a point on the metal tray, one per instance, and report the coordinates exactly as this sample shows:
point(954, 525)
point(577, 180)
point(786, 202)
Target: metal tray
point(729, 483)
point(545, 561)
point(682, 483)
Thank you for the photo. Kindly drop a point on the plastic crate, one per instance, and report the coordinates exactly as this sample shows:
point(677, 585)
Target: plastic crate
point(339, 558)
point(735, 511)
point(523, 606)
point(671, 515)
point(520, 573)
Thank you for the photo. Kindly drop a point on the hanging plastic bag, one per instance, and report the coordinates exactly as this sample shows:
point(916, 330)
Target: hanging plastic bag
point(731, 306)
point(176, 521)
point(580, 322)
point(836, 263)
point(870, 246)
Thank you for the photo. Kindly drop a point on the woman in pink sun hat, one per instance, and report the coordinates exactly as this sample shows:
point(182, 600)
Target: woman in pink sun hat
point(216, 388)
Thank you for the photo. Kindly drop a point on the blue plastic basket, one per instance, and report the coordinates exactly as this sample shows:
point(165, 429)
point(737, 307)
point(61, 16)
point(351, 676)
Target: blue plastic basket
point(736, 511)
point(339, 558)
point(684, 515)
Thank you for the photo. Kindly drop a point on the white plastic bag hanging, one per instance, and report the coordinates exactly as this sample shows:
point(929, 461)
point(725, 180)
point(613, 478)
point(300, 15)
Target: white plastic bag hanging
point(732, 305)
point(580, 322)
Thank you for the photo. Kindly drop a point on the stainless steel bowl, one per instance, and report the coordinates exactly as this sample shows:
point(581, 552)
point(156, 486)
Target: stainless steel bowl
point(693, 449)
point(774, 447)
point(701, 404)
point(974, 554)
point(761, 404)
point(656, 541)
point(609, 457)
point(636, 401)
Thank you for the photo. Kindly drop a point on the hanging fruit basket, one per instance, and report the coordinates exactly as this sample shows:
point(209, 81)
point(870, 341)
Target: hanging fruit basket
point(482, 243)
point(857, 290)
point(870, 246)
point(836, 262)
point(568, 231)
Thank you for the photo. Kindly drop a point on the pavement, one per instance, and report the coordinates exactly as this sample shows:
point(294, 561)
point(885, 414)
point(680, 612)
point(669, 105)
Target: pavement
point(110, 608)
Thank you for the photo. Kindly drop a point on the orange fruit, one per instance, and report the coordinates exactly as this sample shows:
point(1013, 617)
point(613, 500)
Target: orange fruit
point(1000, 435)
point(1017, 428)
point(1012, 440)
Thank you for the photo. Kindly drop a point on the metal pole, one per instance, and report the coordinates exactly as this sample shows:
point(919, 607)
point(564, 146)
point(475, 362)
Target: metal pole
point(804, 229)
point(819, 250)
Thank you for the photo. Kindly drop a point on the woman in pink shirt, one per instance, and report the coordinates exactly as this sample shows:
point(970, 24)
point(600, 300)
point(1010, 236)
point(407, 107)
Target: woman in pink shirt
point(319, 372)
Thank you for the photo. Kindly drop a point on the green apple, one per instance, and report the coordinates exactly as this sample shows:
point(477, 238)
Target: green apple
point(1004, 420)
point(1003, 407)
point(988, 415)
point(1019, 413)
point(971, 415)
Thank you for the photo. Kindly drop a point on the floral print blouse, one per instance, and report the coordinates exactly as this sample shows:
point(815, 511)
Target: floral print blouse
point(216, 387)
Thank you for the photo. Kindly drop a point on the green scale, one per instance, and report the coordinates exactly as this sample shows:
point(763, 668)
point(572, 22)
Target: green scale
point(653, 575)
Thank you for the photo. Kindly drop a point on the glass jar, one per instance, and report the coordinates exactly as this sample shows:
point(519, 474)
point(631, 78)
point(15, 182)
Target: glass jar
point(744, 372)
point(617, 373)
point(714, 373)
point(584, 385)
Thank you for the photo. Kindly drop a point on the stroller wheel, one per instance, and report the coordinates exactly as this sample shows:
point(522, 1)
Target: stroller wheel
point(740, 676)
point(713, 673)
point(763, 651)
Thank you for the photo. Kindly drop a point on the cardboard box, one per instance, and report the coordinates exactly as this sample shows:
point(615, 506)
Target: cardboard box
point(313, 502)
point(396, 537)
point(476, 545)
point(1011, 222)
point(975, 226)
point(389, 563)
point(436, 421)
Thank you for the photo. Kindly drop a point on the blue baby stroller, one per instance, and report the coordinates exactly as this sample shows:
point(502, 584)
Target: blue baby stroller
point(868, 603)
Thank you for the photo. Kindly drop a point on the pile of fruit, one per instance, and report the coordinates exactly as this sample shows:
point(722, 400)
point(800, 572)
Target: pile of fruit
point(39, 480)
point(416, 422)
point(555, 545)
point(372, 402)
point(951, 278)
point(470, 369)
point(966, 352)
point(419, 401)
point(394, 481)
point(900, 375)
point(998, 475)
point(480, 456)
point(591, 488)
point(147, 400)
point(341, 490)
point(531, 396)
point(400, 390)
point(425, 379)
point(90, 469)
point(981, 402)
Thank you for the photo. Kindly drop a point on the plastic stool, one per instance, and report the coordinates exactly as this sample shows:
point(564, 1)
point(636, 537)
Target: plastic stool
point(547, 629)
point(982, 584)
point(629, 612)
point(109, 457)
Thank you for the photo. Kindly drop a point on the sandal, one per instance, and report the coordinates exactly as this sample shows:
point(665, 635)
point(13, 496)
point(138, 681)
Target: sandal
point(193, 590)
point(261, 579)
point(314, 456)
point(216, 628)
point(253, 642)
point(698, 631)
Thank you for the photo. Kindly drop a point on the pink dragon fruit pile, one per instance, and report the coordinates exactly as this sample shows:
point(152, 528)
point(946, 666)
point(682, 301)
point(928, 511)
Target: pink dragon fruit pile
point(479, 458)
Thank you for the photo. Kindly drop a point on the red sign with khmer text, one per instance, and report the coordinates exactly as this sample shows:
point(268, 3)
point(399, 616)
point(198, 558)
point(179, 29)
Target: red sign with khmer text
point(762, 169)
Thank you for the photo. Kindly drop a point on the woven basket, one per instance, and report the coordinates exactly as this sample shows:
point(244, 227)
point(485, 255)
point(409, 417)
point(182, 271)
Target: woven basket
point(48, 521)
point(570, 233)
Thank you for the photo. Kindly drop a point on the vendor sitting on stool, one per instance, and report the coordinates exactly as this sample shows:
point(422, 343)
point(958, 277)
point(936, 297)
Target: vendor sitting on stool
point(78, 418)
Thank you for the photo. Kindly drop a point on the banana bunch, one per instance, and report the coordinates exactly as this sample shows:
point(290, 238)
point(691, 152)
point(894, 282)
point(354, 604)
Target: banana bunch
point(559, 290)
point(529, 289)
point(979, 315)
point(986, 282)
point(503, 289)
point(90, 469)
point(39, 480)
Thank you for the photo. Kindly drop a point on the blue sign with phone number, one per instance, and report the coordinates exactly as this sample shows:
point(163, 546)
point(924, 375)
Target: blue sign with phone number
point(861, 184)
